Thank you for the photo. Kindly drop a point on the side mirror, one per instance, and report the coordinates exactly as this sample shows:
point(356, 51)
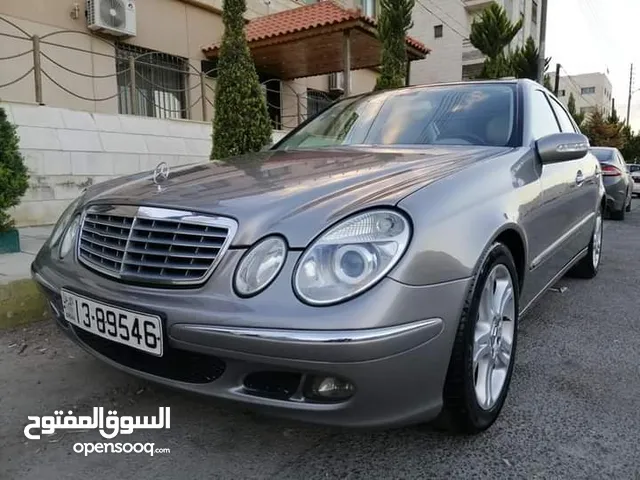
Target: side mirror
point(562, 147)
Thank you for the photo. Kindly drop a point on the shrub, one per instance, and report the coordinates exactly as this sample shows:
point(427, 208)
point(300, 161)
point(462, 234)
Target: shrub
point(14, 179)
point(241, 122)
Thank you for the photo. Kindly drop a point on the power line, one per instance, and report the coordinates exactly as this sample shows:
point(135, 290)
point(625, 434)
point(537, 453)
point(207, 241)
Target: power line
point(441, 19)
point(578, 88)
point(438, 7)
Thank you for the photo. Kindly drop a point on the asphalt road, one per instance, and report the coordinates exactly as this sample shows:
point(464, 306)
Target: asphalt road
point(573, 410)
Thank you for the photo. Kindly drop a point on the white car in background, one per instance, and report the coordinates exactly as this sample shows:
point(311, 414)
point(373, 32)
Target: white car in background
point(634, 170)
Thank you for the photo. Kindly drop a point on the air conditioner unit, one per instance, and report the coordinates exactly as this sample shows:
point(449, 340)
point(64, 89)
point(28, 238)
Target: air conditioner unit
point(336, 82)
point(115, 17)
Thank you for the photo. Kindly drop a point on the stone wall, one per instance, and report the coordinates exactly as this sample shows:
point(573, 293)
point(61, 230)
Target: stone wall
point(67, 150)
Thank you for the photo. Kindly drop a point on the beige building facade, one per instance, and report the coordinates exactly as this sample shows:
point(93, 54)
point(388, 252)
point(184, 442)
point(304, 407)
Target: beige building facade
point(528, 10)
point(89, 71)
point(591, 91)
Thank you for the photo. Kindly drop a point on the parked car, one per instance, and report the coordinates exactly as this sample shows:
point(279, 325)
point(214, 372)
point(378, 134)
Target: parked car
point(634, 170)
point(617, 180)
point(370, 269)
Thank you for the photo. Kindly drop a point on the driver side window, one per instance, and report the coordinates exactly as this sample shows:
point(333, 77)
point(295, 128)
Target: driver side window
point(543, 120)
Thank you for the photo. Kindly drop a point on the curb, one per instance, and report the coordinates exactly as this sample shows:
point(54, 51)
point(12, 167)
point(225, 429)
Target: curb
point(21, 303)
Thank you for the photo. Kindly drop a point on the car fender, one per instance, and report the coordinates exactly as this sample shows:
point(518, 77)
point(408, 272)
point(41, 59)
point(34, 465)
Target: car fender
point(452, 229)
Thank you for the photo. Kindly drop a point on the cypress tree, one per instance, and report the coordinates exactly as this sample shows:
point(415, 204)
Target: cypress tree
point(393, 25)
point(241, 124)
point(13, 173)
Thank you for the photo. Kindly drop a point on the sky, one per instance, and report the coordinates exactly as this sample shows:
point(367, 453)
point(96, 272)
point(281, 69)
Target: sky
point(587, 36)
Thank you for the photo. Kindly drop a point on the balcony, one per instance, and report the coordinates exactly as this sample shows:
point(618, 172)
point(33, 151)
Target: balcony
point(471, 5)
point(470, 54)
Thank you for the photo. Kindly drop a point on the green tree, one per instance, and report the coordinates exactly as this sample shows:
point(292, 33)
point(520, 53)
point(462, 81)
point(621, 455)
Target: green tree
point(497, 67)
point(241, 122)
point(14, 178)
point(525, 62)
point(393, 25)
point(492, 31)
point(578, 117)
point(601, 133)
point(631, 149)
point(613, 116)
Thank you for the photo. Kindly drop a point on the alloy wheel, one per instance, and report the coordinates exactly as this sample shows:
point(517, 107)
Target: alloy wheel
point(597, 240)
point(493, 336)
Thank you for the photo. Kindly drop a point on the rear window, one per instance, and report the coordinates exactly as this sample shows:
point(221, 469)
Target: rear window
point(634, 168)
point(603, 155)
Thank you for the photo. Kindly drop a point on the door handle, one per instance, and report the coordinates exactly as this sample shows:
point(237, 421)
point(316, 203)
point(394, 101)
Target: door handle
point(579, 178)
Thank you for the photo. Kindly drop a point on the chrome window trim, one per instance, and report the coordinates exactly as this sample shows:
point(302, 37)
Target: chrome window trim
point(157, 213)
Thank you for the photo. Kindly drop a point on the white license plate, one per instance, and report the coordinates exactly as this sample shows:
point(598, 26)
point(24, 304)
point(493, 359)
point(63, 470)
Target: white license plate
point(137, 330)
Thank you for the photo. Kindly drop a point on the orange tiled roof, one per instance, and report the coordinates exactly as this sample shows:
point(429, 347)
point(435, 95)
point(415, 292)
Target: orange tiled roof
point(322, 13)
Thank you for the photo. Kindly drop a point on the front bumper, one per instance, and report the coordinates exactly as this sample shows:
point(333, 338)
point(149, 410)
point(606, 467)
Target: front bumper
point(392, 343)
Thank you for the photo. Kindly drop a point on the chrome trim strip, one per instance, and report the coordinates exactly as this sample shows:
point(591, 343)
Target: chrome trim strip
point(547, 252)
point(557, 277)
point(315, 336)
point(157, 213)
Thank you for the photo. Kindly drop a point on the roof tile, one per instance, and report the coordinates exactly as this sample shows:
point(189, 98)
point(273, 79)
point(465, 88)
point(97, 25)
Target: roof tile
point(322, 13)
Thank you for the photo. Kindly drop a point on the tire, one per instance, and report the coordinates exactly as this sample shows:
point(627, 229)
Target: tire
point(628, 209)
point(462, 410)
point(589, 265)
point(618, 214)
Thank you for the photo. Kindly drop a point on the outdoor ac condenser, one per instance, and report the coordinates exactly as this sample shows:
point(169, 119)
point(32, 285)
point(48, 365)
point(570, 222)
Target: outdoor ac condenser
point(115, 17)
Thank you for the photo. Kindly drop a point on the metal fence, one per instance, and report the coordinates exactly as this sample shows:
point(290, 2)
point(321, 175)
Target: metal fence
point(136, 81)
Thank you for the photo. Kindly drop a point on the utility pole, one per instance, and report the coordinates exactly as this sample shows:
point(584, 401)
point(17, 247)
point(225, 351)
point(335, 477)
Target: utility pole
point(543, 40)
point(630, 94)
point(557, 84)
point(613, 106)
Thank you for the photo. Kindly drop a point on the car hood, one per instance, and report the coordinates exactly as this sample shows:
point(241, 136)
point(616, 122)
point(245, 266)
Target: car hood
point(295, 193)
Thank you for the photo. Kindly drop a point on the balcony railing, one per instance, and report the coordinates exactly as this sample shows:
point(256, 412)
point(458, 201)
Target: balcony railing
point(477, 4)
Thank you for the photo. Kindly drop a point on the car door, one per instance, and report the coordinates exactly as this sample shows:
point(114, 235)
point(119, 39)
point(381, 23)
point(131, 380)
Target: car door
point(553, 242)
point(588, 192)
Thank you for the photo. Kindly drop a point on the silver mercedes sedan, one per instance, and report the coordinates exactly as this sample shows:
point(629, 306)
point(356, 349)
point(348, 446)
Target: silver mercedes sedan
point(368, 270)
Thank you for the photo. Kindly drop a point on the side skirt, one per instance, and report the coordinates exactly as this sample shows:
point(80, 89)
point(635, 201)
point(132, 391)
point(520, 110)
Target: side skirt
point(559, 275)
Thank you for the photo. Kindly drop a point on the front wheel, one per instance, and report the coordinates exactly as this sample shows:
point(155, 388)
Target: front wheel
point(484, 350)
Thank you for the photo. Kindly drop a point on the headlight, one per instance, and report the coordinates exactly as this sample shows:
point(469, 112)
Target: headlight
point(260, 266)
point(69, 239)
point(63, 221)
point(351, 257)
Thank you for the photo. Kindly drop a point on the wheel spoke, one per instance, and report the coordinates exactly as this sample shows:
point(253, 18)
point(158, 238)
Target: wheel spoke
point(503, 299)
point(481, 346)
point(504, 353)
point(488, 385)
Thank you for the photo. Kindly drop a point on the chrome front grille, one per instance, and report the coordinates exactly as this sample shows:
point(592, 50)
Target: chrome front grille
point(153, 245)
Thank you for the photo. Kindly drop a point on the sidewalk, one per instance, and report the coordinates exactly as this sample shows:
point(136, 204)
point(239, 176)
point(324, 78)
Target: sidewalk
point(20, 300)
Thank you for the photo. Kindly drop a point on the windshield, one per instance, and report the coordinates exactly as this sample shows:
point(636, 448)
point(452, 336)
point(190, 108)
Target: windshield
point(603, 155)
point(482, 114)
point(634, 168)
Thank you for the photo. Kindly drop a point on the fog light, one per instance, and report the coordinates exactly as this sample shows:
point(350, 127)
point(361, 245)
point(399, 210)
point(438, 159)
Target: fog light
point(330, 388)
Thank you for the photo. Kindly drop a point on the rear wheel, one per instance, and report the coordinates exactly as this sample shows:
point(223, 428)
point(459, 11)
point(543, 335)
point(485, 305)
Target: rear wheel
point(618, 214)
point(589, 265)
point(483, 354)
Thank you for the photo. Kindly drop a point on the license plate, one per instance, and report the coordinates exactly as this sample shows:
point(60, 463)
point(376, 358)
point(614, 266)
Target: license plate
point(135, 329)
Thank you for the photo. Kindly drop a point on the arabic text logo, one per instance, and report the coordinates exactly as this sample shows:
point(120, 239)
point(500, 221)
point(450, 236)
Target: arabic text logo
point(109, 426)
